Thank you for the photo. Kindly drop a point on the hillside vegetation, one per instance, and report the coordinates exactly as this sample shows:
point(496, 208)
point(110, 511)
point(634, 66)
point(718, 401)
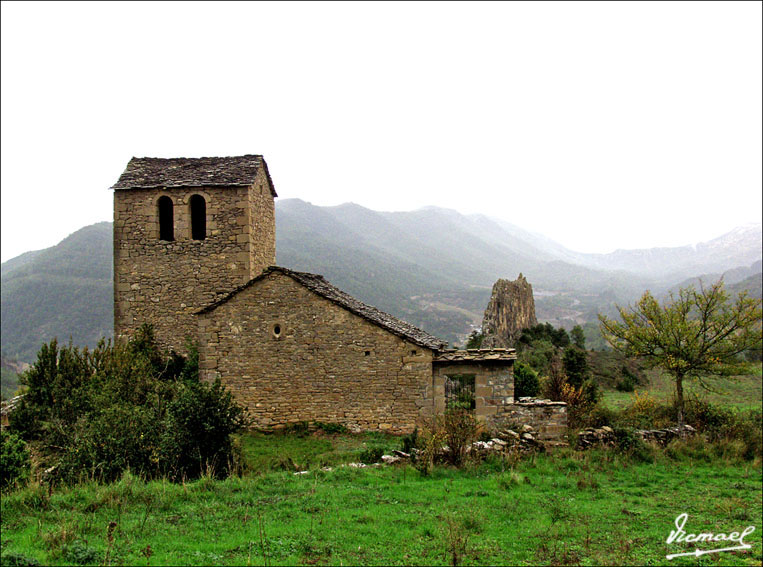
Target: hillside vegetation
point(65, 291)
point(432, 267)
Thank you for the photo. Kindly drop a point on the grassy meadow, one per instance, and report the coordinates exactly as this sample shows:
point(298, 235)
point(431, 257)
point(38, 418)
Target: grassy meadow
point(564, 508)
point(569, 507)
point(742, 392)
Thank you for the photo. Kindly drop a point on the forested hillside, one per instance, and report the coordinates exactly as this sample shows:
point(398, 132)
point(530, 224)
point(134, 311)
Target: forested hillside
point(432, 267)
point(64, 291)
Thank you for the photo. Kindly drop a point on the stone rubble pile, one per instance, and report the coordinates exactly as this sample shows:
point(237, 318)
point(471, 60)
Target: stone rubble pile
point(605, 436)
point(664, 436)
point(510, 440)
point(599, 436)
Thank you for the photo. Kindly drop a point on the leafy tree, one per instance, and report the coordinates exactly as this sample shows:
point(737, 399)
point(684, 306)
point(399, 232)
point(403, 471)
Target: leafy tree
point(14, 459)
point(545, 331)
point(578, 336)
point(575, 363)
point(475, 340)
point(692, 336)
point(526, 382)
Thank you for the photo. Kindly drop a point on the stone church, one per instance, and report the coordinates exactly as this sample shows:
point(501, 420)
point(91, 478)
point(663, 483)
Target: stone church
point(194, 255)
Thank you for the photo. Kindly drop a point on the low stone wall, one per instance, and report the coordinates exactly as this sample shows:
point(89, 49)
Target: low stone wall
point(547, 418)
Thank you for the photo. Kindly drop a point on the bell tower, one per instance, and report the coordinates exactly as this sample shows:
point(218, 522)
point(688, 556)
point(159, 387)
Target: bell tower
point(186, 232)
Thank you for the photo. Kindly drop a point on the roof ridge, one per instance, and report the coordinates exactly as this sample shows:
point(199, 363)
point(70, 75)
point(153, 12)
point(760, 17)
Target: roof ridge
point(344, 300)
point(197, 158)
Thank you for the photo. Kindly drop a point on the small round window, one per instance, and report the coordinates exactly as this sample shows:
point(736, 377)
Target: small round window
point(276, 330)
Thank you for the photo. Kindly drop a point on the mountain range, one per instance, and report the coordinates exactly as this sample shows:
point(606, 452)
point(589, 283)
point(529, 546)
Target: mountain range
point(432, 267)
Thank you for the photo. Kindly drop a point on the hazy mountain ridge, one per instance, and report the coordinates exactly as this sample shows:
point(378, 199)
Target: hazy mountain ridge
point(739, 247)
point(433, 267)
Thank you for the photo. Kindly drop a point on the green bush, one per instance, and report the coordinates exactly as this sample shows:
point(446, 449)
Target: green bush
point(459, 430)
point(575, 362)
point(600, 416)
point(196, 436)
point(526, 382)
point(18, 560)
point(545, 332)
point(371, 455)
point(125, 407)
point(630, 443)
point(79, 553)
point(723, 425)
point(14, 459)
point(330, 428)
point(410, 441)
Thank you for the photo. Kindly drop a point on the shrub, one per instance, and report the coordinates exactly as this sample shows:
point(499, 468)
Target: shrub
point(410, 441)
point(79, 553)
point(14, 459)
point(554, 384)
point(630, 443)
point(297, 428)
point(600, 416)
point(538, 356)
point(457, 428)
point(330, 428)
point(580, 402)
point(125, 406)
point(371, 455)
point(575, 362)
point(460, 430)
point(627, 381)
point(196, 436)
point(545, 332)
point(429, 441)
point(526, 382)
point(18, 560)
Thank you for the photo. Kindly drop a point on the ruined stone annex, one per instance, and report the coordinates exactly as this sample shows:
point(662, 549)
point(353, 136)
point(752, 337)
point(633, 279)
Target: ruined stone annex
point(194, 256)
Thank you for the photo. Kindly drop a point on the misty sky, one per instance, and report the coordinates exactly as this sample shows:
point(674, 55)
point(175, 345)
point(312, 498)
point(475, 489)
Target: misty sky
point(600, 125)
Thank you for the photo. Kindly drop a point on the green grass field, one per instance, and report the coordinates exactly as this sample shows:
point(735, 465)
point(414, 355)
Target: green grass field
point(743, 392)
point(566, 508)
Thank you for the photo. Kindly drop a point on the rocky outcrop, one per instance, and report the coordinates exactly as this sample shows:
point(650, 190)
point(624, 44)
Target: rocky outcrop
point(511, 309)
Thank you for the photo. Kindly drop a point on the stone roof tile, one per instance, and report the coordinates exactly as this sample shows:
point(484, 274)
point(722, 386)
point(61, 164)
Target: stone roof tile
point(477, 355)
point(319, 285)
point(149, 173)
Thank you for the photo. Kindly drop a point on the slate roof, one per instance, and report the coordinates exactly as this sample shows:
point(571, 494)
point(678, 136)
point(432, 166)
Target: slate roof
point(149, 173)
point(477, 355)
point(318, 284)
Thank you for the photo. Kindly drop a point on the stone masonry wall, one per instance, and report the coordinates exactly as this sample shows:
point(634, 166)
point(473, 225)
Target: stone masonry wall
point(164, 283)
point(493, 386)
point(326, 364)
point(262, 226)
point(548, 419)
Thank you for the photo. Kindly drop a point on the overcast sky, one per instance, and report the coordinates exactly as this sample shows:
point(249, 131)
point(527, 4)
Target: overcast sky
point(600, 125)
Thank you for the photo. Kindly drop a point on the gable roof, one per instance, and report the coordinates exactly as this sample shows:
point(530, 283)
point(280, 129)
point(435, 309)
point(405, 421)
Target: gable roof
point(319, 285)
point(150, 173)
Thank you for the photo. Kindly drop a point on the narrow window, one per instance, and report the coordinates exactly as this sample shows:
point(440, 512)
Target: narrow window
point(166, 221)
point(198, 217)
